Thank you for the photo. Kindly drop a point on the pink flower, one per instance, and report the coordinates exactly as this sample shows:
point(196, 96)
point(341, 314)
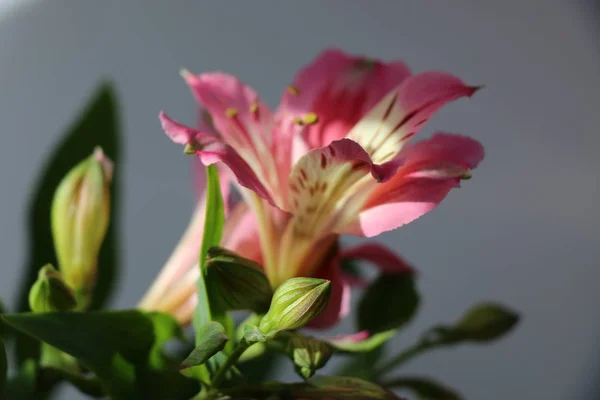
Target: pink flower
point(335, 158)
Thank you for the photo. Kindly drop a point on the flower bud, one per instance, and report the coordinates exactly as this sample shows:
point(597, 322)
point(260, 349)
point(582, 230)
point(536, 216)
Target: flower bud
point(295, 302)
point(50, 293)
point(237, 283)
point(485, 322)
point(80, 214)
point(308, 354)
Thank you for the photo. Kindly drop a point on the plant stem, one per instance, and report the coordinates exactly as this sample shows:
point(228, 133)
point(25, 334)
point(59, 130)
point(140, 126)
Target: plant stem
point(402, 357)
point(231, 360)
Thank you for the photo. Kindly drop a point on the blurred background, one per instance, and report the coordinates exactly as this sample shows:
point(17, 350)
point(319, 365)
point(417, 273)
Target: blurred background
point(523, 231)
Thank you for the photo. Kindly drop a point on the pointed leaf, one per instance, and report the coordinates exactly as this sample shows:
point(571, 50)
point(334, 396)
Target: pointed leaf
point(395, 298)
point(123, 348)
point(97, 125)
point(213, 229)
point(213, 339)
point(318, 388)
point(424, 388)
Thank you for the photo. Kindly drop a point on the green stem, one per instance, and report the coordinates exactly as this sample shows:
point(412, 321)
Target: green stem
point(231, 360)
point(402, 357)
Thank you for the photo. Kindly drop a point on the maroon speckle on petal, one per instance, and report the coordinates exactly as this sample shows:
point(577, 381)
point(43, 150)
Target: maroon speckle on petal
point(303, 173)
point(323, 161)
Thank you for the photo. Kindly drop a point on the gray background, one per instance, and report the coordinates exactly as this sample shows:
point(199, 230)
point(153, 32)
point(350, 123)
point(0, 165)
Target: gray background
point(524, 230)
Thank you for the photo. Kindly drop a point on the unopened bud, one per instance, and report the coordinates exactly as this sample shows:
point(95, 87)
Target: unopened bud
point(485, 322)
point(80, 215)
point(50, 293)
point(295, 302)
point(237, 283)
point(308, 354)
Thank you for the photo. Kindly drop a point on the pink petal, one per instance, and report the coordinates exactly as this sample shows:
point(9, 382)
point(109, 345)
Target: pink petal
point(339, 88)
point(241, 233)
point(246, 124)
point(211, 150)
point(339, 302)
point(383, 258)
point(404, 111)
point(433, 167)
point(327, 183)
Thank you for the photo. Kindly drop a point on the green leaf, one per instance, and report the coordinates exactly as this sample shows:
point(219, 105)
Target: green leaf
point(97, 125)
point(423, 388)
point(396, 300)
point(213, 230)
point(340, 387)
point(215, 213)
point(123, 348)
point(318, 388)
point(363, 346)
point(3, 370)
point(213, 339)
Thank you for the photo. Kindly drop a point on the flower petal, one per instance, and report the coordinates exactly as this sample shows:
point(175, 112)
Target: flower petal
point(432, 168)
point(211, 150)
point(245, 123)
point(403, 112)
point(329, 182)
point(387, 261)
point(339, 88)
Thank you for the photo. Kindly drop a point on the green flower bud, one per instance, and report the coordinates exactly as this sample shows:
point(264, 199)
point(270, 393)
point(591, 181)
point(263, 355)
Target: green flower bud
point(485, 322)
point(80, 215)
point(295, 302)
point(50, 293)
point(308, 354)
point(237, 283)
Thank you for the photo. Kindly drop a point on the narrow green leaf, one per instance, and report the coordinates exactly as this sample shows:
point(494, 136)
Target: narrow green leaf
point(213, 229)
point(424, 388)
point(396, 300)
point(215, 213)
point(363, 346)
point(3, 370)
point(318, 388)
point(123, 348)
point(204, 313)
point(213, 339)
point(97, 125)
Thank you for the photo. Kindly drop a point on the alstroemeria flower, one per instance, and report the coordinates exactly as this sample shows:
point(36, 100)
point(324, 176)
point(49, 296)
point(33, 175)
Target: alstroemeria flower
point(335, 158)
